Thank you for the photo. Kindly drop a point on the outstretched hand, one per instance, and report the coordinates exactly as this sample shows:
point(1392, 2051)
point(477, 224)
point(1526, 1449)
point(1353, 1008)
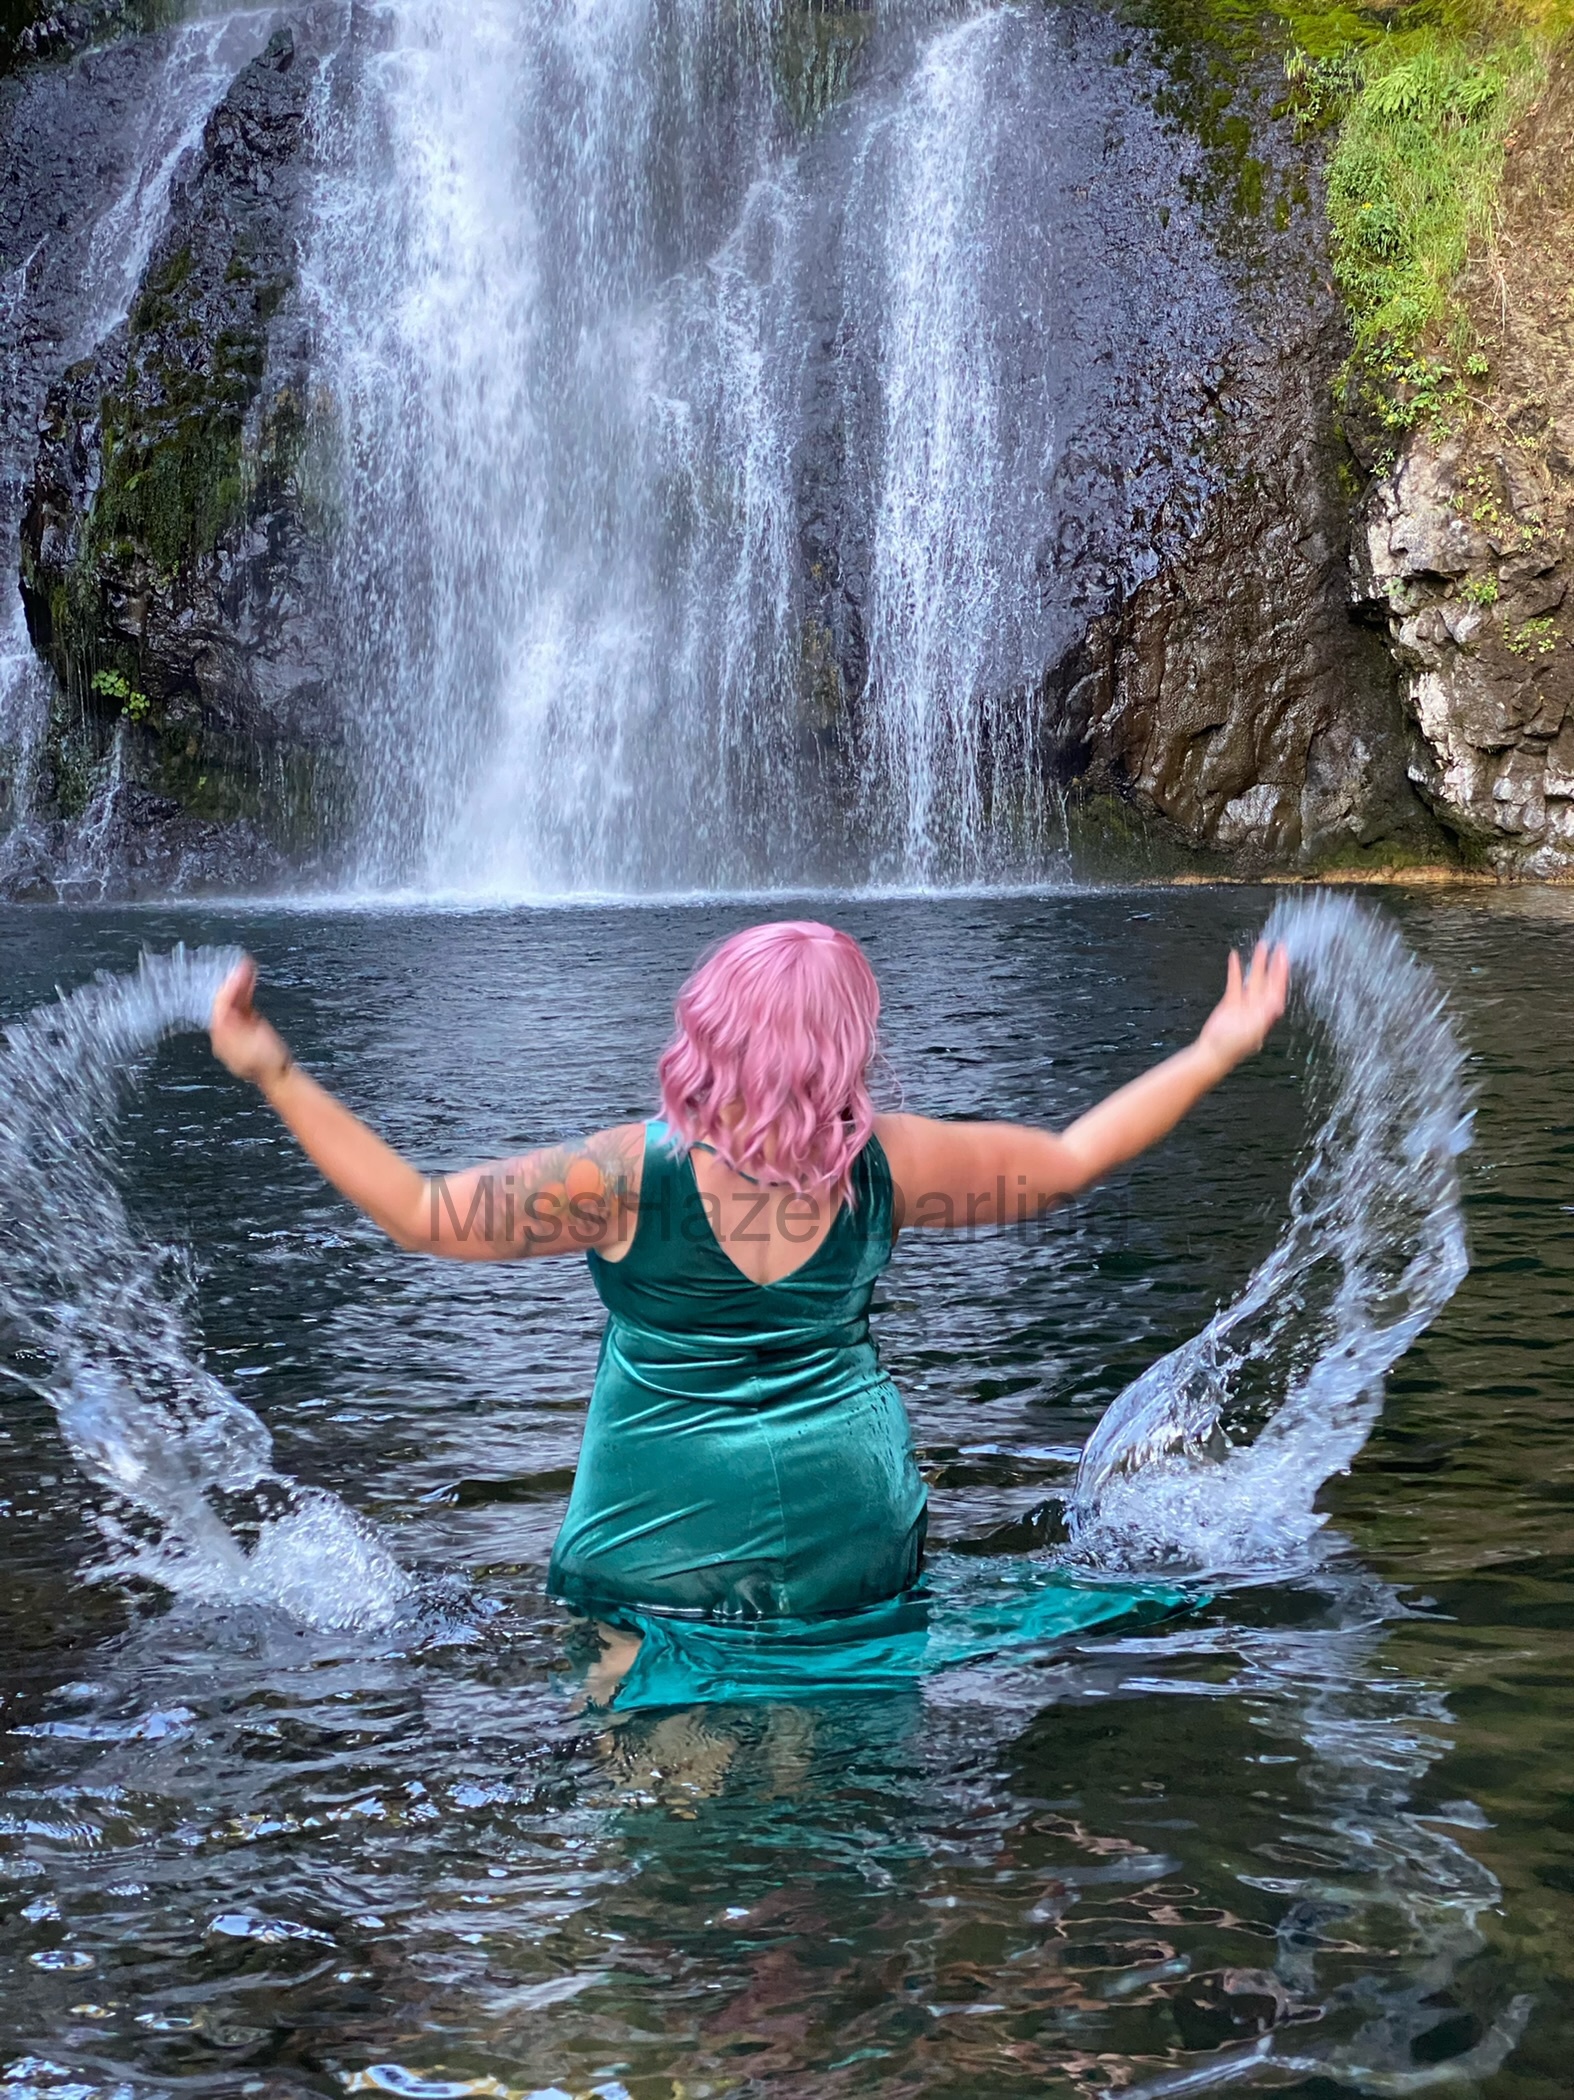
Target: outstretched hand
point(1252, 1002)
point(242, 1039)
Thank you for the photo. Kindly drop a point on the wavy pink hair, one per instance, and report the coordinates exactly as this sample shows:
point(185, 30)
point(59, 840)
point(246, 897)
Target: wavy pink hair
point(769, 1066)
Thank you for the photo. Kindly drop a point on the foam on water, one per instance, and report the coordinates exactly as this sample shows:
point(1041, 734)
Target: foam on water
point(1212, 1460)
point(100, 1323)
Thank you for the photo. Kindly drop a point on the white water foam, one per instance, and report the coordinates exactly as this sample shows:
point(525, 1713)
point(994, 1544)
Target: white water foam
point(1211, 1461)
point(103, 1323)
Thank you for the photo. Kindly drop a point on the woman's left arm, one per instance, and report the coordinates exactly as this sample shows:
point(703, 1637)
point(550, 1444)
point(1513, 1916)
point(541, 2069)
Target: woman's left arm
point(558, 1200)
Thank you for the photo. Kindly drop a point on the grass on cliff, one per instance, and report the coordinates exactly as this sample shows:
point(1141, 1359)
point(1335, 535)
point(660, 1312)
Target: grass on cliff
point(1425, 96)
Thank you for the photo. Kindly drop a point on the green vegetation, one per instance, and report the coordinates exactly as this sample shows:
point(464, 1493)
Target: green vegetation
point(1424, 106)
point(1533, 638)
point(114, 685)
point(1422, 96)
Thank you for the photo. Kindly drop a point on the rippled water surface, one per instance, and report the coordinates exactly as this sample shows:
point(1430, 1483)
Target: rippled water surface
point(1326, 1817)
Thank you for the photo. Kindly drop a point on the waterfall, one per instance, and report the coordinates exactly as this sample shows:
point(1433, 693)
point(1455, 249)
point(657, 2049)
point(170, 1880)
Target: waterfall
point(742, 408)
point(1213, 1458)
point(103, 1326)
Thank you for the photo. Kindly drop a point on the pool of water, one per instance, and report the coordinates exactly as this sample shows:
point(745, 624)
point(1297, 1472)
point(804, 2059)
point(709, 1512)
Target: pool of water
point(1326, 1817)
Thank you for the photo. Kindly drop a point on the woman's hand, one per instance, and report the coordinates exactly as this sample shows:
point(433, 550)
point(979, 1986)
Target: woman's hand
point(251, 1046)
point(1240, 1022)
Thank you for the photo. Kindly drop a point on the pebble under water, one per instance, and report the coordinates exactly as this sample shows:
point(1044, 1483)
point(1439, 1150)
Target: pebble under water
point(1304, 1838)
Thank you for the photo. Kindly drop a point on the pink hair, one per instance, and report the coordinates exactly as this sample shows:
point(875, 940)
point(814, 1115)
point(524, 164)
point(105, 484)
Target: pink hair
point(777, 1026)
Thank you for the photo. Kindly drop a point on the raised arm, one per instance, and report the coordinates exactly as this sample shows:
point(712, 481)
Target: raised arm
point(561, 1199)
point(950, 1174)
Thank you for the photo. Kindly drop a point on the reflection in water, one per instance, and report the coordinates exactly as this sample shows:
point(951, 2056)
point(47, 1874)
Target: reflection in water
point(1357, 1981)
point(918, 1879)
point(1373, 1872)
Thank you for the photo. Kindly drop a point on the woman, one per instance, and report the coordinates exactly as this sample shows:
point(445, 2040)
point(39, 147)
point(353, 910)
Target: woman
point(744, 1458)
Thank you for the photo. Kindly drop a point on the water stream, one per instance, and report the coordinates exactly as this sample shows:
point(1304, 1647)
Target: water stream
point(1288, 1379)
point(718, 389)
point(194, 1501)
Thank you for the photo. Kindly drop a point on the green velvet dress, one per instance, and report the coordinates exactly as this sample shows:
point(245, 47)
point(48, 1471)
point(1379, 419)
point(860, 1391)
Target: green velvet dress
point(745, 1457)
point(746, 1497)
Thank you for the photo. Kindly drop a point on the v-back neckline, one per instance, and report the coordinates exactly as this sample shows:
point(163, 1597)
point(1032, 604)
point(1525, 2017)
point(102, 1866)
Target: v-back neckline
point(741, 1273)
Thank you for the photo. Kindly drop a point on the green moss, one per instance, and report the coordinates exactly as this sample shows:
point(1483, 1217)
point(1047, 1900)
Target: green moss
point(72, 755)
point(816, 47)
point(1421, 96)
point(175, 476)
point(1388, 856)
point(1107, 838)
point(154, 306)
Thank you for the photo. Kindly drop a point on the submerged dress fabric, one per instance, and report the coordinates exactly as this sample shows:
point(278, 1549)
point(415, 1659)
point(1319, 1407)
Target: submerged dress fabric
point(746, 1496)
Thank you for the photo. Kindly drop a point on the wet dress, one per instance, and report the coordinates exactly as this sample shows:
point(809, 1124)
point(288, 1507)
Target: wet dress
point(745, 1457)
point(746, 1498)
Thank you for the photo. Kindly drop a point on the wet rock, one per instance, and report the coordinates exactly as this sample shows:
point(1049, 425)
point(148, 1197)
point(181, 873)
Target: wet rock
point(38, 29)
point(1233, 704)
point(139, 845)
point(173, 526)
point(1466, 550)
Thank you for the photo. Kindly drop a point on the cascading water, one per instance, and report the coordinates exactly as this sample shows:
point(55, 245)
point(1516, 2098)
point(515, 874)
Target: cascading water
point(713, 384)
point(1375, 1248)
point(103, 1329)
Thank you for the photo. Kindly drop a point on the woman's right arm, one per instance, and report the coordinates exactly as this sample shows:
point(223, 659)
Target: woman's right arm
point(560, 1199)
point(950, 1174)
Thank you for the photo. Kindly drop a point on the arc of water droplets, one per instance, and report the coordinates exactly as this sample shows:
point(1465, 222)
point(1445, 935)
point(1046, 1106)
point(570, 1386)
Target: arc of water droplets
point(106, 1334)
point(1374, 1248)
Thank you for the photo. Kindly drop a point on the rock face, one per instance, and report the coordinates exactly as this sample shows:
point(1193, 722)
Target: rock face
point(1466, 555)
point(1244, 707)
point(1233, 703)
point(38, 29)
point(173, 526)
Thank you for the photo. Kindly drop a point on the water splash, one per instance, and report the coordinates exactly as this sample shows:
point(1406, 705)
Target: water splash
point(1213, 1458)
point(103, 1327)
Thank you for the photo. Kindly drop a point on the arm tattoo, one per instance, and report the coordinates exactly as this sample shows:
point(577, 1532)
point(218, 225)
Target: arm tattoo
point(557, 1198)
